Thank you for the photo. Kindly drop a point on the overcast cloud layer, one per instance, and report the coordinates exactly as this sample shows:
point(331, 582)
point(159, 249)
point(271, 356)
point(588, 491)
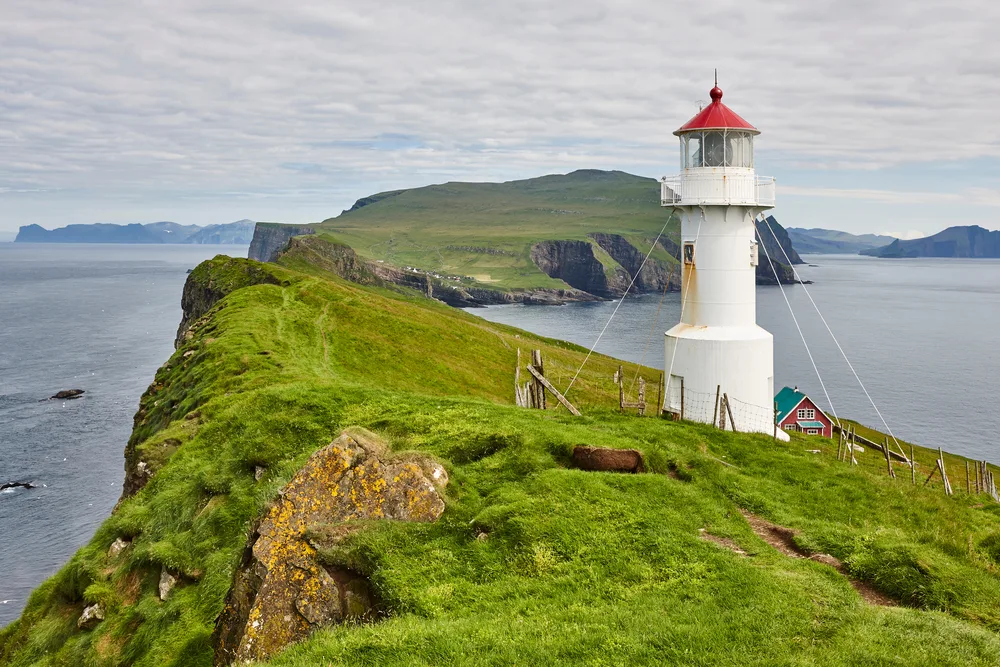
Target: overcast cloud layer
point(208, 111)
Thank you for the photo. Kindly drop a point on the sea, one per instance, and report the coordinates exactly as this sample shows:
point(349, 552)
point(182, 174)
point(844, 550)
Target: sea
point(96, 317)
point(921, 335)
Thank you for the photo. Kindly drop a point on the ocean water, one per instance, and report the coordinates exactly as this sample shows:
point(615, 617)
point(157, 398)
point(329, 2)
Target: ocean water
point(922, 335)
point(101, 318)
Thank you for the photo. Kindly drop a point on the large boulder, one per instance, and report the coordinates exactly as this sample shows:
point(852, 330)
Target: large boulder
point(281, 592)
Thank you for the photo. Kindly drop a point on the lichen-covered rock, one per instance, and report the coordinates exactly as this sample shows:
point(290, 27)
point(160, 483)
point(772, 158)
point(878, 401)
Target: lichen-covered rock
point(281, 592)
point(118, 546)
point(90, 617)
point(167, 583)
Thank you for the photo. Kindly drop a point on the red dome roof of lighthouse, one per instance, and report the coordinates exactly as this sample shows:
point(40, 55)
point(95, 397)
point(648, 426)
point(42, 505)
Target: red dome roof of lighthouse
point(716, 116)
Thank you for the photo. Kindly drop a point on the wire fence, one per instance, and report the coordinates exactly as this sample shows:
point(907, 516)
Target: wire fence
point(709, 408)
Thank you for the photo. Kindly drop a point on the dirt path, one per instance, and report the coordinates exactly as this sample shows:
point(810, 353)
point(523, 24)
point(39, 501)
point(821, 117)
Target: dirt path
point(783, 539)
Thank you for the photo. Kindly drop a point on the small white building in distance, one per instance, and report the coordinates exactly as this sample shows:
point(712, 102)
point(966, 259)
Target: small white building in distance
point(717, 345)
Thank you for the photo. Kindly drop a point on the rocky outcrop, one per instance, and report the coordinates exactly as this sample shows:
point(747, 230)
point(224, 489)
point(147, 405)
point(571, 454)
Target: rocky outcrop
point(651, 276)
point(90, 617)
point(269, 239)
point(575, 263)
point(283, 591)
point(202, 290)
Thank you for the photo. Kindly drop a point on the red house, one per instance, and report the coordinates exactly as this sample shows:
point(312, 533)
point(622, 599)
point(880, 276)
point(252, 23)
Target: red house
point(797, 412)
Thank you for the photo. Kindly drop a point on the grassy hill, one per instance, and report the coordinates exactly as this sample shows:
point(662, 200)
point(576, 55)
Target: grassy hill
point(533, 561)
point(588, 230)
point(443, 227)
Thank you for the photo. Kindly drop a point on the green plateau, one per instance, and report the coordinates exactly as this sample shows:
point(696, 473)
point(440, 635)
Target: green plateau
point(532, 560)
point(583, 235)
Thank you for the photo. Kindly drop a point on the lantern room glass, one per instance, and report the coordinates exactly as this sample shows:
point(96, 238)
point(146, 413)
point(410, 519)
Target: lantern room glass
point(717, 148)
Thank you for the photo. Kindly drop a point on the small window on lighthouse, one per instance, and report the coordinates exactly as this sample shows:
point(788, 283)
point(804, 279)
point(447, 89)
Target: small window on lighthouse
point(688, 252)
point(754, 258)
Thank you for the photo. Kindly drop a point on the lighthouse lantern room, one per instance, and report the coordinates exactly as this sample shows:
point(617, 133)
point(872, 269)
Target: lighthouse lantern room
point(717, 347)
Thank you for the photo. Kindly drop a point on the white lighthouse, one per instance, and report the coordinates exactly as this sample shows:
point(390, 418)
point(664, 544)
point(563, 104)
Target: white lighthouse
point(717, 346)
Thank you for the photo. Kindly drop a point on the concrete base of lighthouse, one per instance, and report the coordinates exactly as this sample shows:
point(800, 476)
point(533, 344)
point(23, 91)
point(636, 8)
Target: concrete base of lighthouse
point(738, 360)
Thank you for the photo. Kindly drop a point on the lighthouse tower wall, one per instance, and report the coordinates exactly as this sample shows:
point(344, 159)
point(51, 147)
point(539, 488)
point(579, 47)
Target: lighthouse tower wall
point(717, 344)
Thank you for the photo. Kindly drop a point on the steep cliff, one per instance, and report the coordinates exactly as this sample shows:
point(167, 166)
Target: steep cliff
point(269, 239)
point(653, 276)
point(576, 264)
point(208, 283)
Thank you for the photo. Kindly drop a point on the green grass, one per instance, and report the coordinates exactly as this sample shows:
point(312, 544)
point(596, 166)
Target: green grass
point(575, 567)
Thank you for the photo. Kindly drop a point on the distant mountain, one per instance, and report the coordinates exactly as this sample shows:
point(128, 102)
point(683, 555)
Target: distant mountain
point(832, 242)
point(970, 241)
point(239, 232)
point(98, 233)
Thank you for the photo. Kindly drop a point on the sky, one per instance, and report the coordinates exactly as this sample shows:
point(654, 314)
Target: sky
point(875, 116)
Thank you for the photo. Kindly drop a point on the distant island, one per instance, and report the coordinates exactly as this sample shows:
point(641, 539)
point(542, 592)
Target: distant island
point(962, 241)
point(832, 242)
point(239, 232)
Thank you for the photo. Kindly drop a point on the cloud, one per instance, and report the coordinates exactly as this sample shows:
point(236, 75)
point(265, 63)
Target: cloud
point(198, 99)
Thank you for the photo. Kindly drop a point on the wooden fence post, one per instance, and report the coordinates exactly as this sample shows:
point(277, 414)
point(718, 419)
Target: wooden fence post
point(642, 396)
point(682, 399)
point(659, 396)
point(729, 410)
point(888, 459)
point(775, 420)
point(968, 484)
point(715, 411)
point(621, 389)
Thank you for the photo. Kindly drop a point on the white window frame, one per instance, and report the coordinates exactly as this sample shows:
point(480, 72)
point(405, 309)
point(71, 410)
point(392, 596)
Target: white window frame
point(789, 427)
point(812, 431)
point(806, 413)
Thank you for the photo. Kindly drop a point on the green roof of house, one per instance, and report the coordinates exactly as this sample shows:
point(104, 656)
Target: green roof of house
point(819, 425)
point(786, 401)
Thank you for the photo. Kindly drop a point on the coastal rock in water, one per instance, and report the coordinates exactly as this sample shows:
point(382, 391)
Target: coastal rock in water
point(167, 583)
point(68, 393)
point(281, 591)
point(16, 485)
point(607, 460)
point(90, 617)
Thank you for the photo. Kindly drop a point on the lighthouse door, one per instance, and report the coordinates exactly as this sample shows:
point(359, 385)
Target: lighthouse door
point(675, 390)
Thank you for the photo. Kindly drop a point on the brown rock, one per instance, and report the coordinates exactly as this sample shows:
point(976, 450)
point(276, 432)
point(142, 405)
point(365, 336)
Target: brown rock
point(607, 459)
point(281, 592)
point(68, 393)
